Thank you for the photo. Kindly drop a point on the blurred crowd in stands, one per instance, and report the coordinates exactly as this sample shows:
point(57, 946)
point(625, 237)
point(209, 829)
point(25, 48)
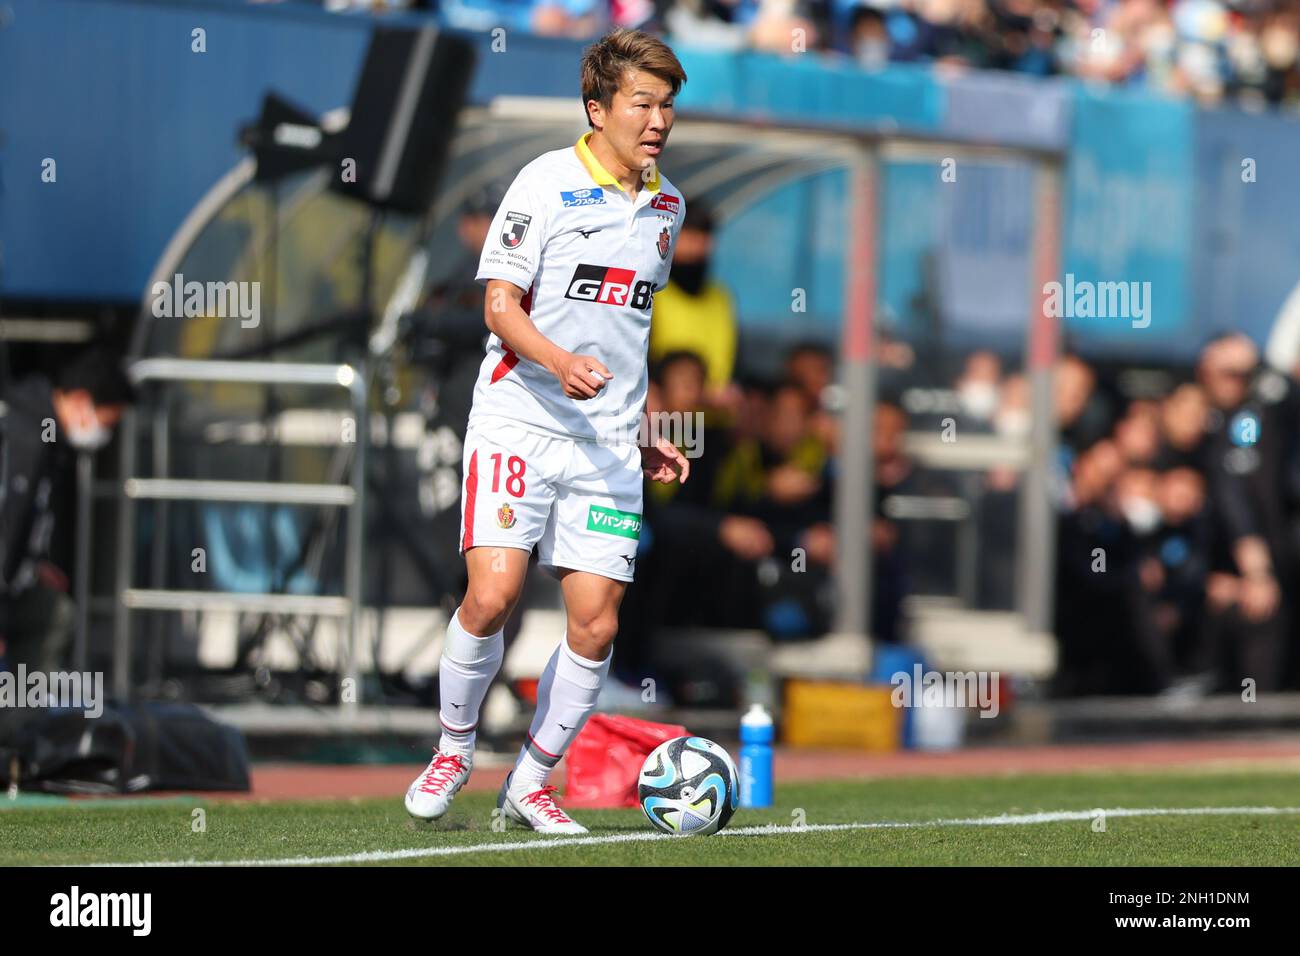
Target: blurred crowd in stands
point(1192, 498)
point(1244, 50)
point(1178, 536)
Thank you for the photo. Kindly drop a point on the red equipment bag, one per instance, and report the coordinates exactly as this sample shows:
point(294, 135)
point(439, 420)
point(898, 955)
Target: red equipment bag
point(605, 760)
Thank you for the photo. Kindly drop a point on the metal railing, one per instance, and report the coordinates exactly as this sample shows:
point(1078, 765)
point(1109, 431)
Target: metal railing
point(350, 496)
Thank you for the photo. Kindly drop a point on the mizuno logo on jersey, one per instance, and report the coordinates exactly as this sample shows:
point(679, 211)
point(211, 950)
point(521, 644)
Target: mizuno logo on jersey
point(590, 196)
point(664, 201)
point(609, 286)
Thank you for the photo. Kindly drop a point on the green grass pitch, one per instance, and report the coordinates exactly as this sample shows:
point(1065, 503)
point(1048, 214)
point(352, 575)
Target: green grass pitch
point(44, 831)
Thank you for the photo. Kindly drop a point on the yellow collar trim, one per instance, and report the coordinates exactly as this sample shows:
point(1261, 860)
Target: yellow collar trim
point(600, 174)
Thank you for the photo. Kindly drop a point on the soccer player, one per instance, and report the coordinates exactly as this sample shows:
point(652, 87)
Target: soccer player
point(577, 249)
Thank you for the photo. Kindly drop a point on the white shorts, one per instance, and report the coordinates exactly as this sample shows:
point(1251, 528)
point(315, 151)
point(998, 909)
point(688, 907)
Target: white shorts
point(579, 502)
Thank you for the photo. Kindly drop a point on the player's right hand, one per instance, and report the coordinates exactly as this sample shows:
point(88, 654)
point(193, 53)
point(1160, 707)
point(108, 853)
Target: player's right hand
point(582, 376)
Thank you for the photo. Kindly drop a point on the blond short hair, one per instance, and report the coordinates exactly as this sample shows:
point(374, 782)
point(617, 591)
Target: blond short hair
point(606, 60)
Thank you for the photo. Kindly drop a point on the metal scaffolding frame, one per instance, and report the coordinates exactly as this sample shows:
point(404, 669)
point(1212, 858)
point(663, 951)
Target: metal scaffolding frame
point(351, 496)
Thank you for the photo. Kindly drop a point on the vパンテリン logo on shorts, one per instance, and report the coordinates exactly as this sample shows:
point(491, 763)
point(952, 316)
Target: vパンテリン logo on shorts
point(625, 524)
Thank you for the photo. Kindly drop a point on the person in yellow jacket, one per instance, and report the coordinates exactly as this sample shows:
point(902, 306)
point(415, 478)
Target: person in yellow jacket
point(695, 313)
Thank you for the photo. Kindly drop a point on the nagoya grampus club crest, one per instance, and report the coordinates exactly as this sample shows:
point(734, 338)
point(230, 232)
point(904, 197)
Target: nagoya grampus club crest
point(506, 516)
point(665, 239)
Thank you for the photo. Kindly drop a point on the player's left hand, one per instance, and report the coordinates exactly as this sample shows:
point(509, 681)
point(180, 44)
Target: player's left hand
point(663, 462)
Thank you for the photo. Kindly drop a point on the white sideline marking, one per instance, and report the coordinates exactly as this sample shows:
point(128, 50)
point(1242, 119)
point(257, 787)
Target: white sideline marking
point(545, 843)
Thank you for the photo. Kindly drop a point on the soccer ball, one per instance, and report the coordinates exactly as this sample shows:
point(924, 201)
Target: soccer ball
point(688, 785)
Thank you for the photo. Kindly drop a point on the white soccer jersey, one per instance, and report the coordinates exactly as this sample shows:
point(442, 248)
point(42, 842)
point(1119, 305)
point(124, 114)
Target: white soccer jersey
point(589, 257)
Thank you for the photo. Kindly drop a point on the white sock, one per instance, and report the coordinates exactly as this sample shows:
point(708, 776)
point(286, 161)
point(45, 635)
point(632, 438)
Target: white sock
point(468, 665)
point(566, 696)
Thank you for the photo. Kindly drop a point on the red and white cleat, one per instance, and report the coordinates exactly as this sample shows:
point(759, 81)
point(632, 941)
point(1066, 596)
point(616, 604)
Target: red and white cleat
point(536, 810)
point(430, 795)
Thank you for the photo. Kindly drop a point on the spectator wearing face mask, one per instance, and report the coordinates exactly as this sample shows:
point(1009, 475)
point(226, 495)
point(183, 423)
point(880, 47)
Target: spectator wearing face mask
point(1013, 418)
point(41, 425)
point(868, 37)
point(1165, 592)
point(1136, 493)
point(979, 389)
point(1139, 654)
point(998, 502)
point(1246, 615)
point(695, 313)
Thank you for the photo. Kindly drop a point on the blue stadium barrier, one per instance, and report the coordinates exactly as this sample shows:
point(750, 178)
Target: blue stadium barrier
point(141, 127)
point(1130, 214)
point(1245, 253)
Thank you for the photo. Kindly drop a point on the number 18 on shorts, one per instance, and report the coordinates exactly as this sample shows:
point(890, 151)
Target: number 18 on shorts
point(578, 502)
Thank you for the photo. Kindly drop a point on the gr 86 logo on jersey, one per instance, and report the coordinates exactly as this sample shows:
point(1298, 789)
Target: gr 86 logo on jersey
point(609, 286)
